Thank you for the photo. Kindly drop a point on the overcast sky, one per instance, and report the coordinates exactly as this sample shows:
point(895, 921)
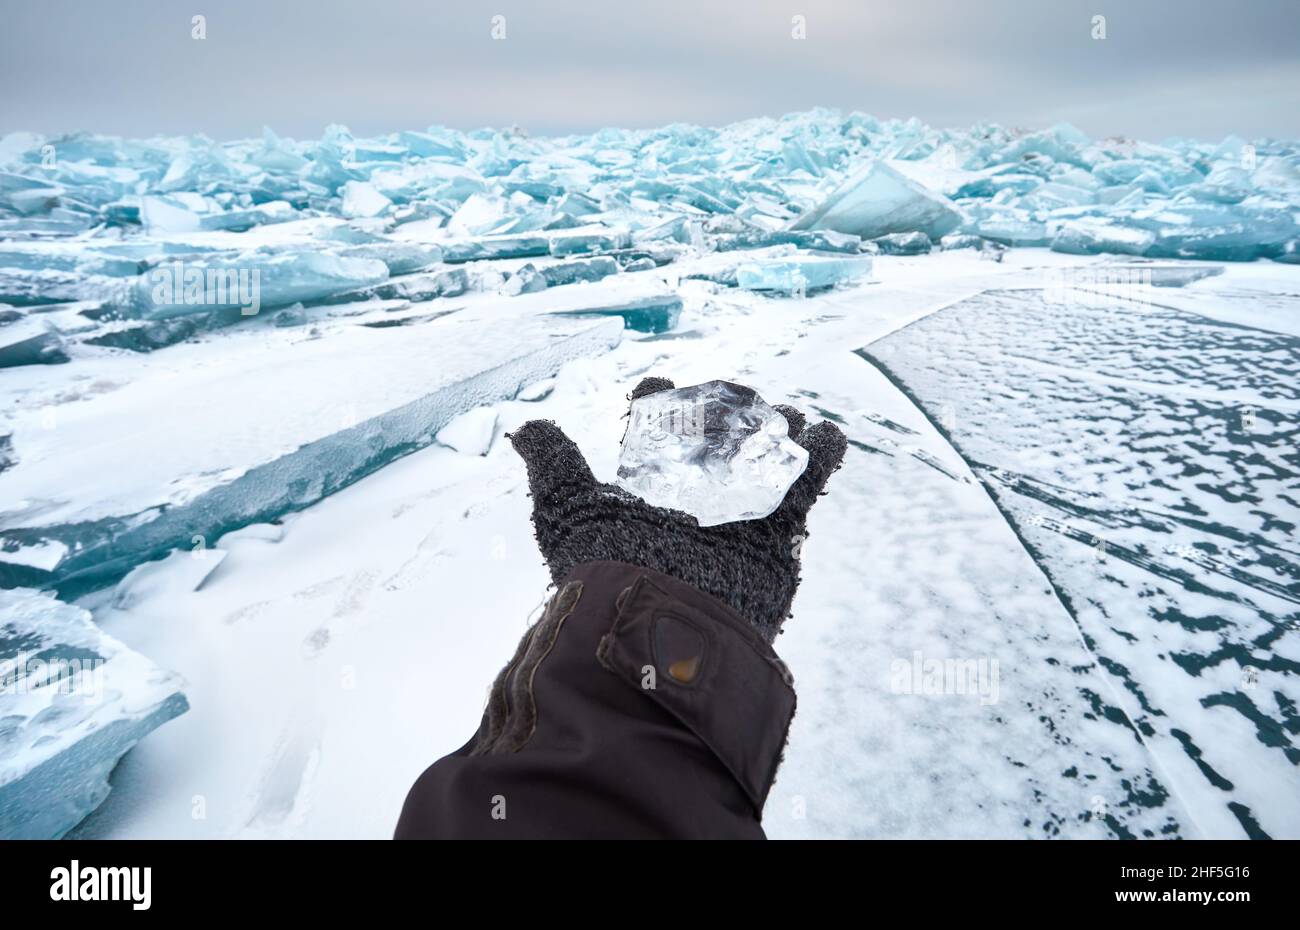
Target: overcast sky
point(1201, 68)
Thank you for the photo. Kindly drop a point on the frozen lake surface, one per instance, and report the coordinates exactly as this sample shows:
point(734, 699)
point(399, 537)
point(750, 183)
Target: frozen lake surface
point(252, 470)
point(970, 662)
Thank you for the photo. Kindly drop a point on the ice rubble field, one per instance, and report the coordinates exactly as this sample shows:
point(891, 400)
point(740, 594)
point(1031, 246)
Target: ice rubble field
point(295, 548)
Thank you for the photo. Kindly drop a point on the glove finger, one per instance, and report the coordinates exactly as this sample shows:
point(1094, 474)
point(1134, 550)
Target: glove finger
point(647, 386)
point(650, 385)
point(794, 417)
point(555, 464)
point(826, 445)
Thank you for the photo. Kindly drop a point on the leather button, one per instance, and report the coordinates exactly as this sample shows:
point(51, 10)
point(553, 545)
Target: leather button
point(679, 648)
point(684, 670)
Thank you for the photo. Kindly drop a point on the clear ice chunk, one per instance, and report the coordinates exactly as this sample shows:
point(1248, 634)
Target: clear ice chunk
point(1218, 232)
point(716, 451)
point(657, 313)
point(493, 247)
point(913, 243)
point(400, 257)
point(46, 286)
point(801, 274)
point(959, 241)
point(424, 285)
point(878, 201)
point(573, 272)
point(1012, 228)
point(360, 198)
point(529, 279)
point(251, 281)
point(1088, 235)
point(584, 243)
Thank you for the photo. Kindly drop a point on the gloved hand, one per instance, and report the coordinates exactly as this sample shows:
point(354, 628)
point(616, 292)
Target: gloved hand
point(750, 565)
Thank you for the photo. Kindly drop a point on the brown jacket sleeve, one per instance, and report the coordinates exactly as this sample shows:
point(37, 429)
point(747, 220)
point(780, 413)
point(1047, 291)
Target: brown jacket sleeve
point(636, 707)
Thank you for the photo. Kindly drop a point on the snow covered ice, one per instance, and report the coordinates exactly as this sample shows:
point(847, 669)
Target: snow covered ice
point(144, 463)
point(471, 432)
point(73, 700)
point(1082, 419)
point(716, 451)
point(232, 373)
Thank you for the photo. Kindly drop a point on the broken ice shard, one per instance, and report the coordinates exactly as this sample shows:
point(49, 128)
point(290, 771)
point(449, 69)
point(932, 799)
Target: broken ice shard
point(400, 257)
point(361, 199)
point(1088, 235)
point(28, 341)
point(600, 241)
point(1217, 232)
point(913, 243)
point(250, 281)
point(425, 285)
point(572, 272)
point(490, 247)
point(529, 279)
point(716, 451)
point(50, 286)
point(501, 196)
point(801, 274)
point(189, 212)
point(73, 700)
point(1011, 228)
point(286, 438)
point(1178, 275)
point(878, 201)
point(657, 313)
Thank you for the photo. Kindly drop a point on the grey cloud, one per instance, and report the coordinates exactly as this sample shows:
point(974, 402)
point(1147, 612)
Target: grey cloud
point(1190, 67)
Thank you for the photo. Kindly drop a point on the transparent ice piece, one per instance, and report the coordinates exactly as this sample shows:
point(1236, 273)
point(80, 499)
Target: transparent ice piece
point(252, 281)
point(360, 198)
point(801, 274)
point(878, 201)
point(1089, 234)
point(913, 243)
point(582, 243)
point(572, 272)
point(654, 314)
point(492, 247)
point(715, 450)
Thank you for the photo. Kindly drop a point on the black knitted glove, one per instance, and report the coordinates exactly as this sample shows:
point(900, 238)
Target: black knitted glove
point(751, 565)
